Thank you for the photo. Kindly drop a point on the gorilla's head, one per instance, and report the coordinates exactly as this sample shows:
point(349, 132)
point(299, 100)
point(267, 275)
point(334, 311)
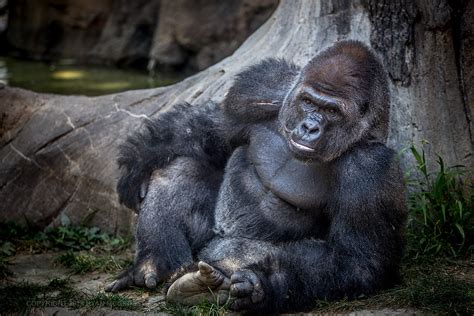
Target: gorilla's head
point(340, 98)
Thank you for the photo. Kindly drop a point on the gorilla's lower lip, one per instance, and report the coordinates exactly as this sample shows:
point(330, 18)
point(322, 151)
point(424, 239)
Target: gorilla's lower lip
point(301, 147)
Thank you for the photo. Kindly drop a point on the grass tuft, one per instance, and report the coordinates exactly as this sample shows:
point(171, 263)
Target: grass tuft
point(204, 308)
point(61, 238)
point(83, 262)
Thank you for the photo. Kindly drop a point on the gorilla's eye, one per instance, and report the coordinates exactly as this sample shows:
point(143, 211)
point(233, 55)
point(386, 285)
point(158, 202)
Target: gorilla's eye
point(332, 111)
point(307, 101)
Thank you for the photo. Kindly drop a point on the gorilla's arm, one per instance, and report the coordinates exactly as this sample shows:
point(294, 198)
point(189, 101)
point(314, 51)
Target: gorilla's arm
point(185, 131)
point(256, 97)
point(204, 132)
point(360, 254)
point(258, 92)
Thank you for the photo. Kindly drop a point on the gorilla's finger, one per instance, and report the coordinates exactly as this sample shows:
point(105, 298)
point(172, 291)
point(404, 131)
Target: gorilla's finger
point(109, 287)
point(241, 289)
point(139, 279)
point(238, 276)
point(119, 284)
point(258, 293)
point(243, 276)
point(241, 304)
point(143, 189)
point(151, 280)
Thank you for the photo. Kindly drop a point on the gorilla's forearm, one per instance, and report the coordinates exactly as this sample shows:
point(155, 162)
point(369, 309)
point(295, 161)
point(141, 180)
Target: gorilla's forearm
point(185, 131)
point(348, 264)
point(293, 275)
point(313, 270)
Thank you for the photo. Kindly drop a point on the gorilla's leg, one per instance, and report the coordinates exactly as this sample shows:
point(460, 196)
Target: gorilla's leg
point(174, 222)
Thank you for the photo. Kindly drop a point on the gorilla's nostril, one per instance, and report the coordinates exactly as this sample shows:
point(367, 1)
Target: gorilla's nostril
point(310, 127)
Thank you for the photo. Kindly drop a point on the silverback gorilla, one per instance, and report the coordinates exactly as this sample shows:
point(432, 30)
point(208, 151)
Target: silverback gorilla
point(284, 194)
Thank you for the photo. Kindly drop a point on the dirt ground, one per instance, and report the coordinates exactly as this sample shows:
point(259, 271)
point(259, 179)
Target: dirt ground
point(42, 268)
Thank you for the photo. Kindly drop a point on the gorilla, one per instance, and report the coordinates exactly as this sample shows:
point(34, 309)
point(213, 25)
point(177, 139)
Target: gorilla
point(284, 194)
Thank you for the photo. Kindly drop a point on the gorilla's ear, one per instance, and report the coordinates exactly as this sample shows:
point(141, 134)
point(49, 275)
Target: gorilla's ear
point(380, 105)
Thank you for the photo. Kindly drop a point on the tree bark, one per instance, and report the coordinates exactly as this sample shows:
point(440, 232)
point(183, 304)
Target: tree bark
point(58, 153)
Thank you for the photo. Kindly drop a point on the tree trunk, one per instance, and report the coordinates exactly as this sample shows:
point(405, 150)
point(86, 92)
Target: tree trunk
point(58, 153)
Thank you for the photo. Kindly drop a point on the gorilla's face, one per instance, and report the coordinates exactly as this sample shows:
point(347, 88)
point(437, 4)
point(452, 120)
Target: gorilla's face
point(335, 103)
point(320, 123)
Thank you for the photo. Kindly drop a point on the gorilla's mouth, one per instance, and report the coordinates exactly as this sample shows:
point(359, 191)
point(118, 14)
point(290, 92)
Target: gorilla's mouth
point(300, 146)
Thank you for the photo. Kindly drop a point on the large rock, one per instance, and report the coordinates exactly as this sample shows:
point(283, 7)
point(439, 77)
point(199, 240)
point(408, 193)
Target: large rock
point(190, 34)
point(90, 31)
point(58, 153)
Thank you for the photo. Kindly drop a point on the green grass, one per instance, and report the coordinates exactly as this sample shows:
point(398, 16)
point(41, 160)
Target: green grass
point(21, 298)
point(428, 288)
point(61, 238)
point(16, 238)
point(83, 262)
point(203, 309)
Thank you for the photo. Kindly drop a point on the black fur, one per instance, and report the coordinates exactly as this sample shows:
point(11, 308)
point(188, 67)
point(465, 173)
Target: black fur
point(301, 224)
point(184, 131)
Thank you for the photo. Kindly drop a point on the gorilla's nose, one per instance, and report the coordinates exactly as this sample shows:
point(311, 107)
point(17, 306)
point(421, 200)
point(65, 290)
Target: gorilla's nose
point(310, 127)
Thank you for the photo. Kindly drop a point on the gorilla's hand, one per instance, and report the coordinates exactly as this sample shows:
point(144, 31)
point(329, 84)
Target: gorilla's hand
point(246, 290)
point(142, 275)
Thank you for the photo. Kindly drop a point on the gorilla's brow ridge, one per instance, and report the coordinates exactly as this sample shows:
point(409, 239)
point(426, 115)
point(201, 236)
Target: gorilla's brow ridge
point(318, 96)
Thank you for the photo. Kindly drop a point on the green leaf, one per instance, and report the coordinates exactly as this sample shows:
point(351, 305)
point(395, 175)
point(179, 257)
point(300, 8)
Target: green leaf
point(461, 230)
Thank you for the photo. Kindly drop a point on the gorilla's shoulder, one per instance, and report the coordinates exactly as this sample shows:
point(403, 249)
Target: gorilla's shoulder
point(369, 159)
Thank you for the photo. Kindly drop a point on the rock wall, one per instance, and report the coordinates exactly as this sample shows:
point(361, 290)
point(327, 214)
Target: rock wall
point(197, 34)
point(185, 34)
point(58, 153)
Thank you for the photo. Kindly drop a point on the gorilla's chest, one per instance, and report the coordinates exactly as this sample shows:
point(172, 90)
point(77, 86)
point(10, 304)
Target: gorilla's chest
point(265, 187)
point(302, 184)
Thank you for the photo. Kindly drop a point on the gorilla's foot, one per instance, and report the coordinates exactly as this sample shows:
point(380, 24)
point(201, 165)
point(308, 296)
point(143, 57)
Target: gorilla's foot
point(141, 275)
point(206, 284)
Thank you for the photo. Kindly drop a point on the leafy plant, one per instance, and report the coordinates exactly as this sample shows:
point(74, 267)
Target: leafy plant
point(441, 210)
